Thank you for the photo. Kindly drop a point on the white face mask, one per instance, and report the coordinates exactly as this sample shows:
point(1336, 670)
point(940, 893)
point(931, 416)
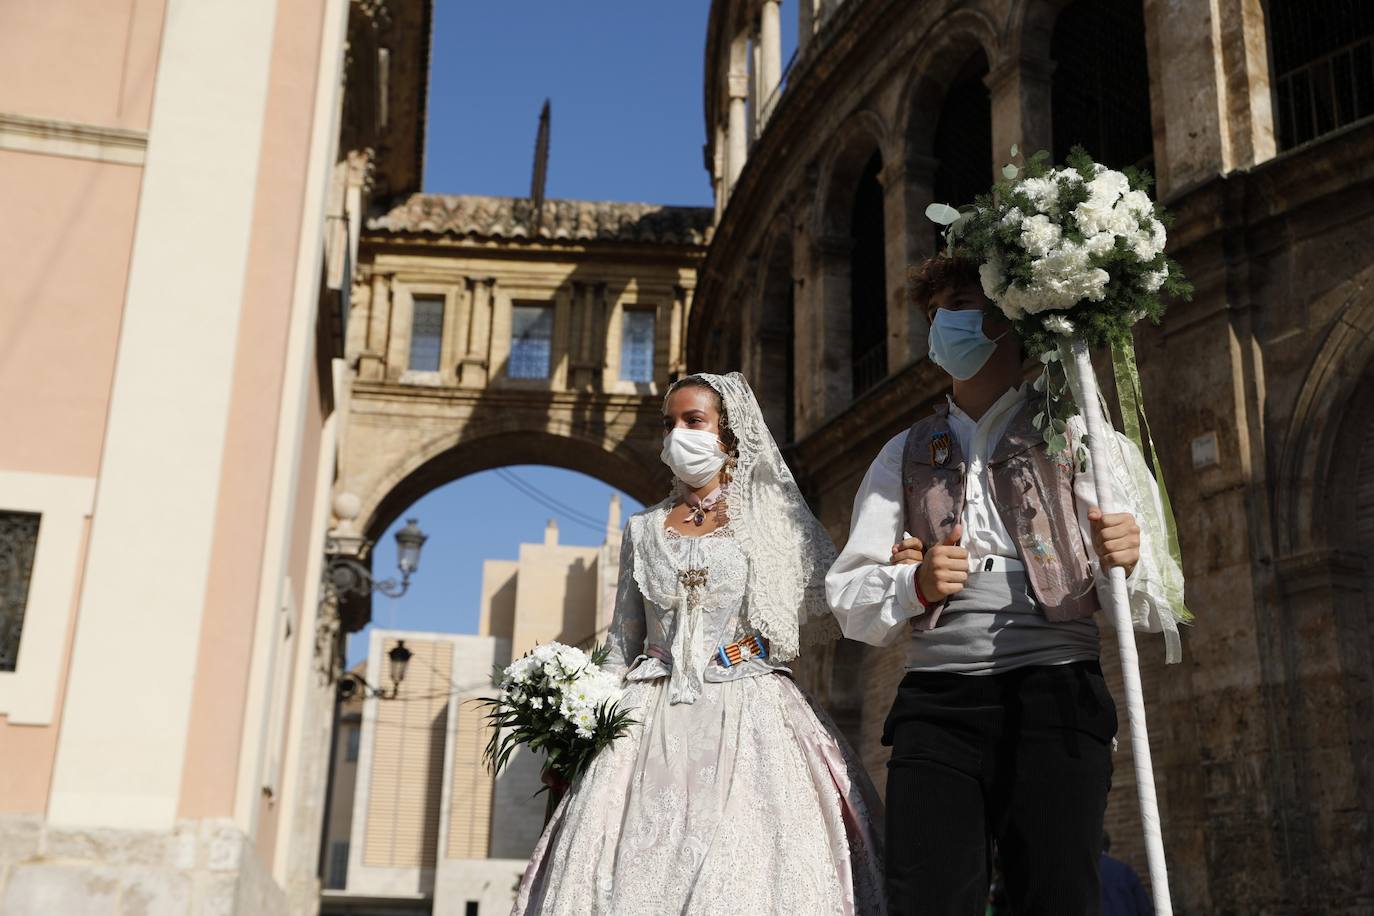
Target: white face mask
point(694, 455)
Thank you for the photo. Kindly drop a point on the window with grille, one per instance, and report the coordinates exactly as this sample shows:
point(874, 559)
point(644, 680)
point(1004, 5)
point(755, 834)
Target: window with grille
point(1321, 56)
point(637, 346)
point(337, 879)
point(18, 544)
point(531, 341)
point(426, 333)
point(962, 144)
point(351, 741)
point(868, 282)
point(1100, 96)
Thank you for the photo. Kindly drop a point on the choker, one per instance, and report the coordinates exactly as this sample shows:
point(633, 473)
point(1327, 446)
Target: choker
point(711, 502)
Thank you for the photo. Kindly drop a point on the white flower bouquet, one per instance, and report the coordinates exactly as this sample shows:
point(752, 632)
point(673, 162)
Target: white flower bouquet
point(558, 700)
point(1070, 252)
point(1074, 251)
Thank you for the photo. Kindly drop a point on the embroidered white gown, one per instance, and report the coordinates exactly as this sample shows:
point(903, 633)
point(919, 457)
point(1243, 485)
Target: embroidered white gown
point(743, 800)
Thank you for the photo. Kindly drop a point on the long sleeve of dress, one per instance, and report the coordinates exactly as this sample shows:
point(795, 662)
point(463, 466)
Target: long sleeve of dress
point(625, 637)
point(872, 598)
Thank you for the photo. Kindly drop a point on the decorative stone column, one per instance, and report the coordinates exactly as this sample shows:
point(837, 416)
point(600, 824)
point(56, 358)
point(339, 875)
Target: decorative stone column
point(372, 356)
point(807, 23)
point(473, 367)
point(770, 57)
point(1020, 89)
point(824, 371)
point(737, 132)
point(1209, 89)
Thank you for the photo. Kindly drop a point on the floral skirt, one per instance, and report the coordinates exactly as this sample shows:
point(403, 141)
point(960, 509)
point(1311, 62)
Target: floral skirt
point(746, 801)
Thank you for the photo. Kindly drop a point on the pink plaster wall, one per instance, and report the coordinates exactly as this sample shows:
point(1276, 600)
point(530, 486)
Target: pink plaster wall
point(91, 61)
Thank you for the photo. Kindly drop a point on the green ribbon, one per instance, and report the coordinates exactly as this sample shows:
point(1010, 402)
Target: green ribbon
point(1133, 418)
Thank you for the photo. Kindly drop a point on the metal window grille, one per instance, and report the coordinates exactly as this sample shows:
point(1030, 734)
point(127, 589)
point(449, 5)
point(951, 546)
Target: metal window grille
point(637, 346)
point(531, 344)
point(426, 333)
point(18, 544)
point(1100, 96)
point(351, 742)
point(962, 144)
point(1322, 56)
point(338, 865)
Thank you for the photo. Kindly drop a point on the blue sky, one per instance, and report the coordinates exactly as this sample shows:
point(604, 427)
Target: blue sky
point(625, 82)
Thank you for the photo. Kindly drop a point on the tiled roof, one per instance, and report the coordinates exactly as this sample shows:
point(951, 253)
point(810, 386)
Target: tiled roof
point(572, 220)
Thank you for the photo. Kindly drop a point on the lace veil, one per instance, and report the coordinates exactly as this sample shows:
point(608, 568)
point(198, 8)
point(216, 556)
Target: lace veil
point(787, 549)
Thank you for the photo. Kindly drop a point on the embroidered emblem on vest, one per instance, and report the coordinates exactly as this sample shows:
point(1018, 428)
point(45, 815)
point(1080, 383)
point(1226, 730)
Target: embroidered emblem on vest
point(1039, 549)
point(939, 448)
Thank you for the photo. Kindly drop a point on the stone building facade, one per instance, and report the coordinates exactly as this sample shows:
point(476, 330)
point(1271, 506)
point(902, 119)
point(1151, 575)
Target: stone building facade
point(483, 334)
point(1255, 118)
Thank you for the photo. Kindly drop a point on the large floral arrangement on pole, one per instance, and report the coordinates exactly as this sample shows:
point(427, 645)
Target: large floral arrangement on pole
point(557, 700)
point(1073, 251)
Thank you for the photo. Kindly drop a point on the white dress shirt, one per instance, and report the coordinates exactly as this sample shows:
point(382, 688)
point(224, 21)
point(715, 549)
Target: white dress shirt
point(874, 599)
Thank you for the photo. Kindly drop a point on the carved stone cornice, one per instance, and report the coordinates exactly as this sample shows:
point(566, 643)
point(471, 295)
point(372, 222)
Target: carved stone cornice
point(572, 220)
point(1320, 571)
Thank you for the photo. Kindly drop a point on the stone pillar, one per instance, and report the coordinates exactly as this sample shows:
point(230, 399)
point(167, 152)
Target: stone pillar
point(770, 57)
point(823, 369)
point(737, 132)
point(807, 21)
point(1020, 90)
point(907, 191)
point(475, 364)
point(372, 357)
point(1209, 89)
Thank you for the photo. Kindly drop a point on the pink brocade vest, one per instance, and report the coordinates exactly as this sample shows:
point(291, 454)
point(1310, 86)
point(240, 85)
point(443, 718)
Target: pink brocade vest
point(1032, 494)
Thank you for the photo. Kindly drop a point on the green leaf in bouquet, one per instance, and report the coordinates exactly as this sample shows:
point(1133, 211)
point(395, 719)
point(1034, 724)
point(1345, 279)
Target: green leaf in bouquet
point(1057, 443)
point(1038, 421)
point(1014, 150)
point(1010, 171)
point(1039, 384)
point(942, 214)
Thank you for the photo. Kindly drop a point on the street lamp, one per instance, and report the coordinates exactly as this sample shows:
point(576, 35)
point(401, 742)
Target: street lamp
point(345, 576)
point(352, 683)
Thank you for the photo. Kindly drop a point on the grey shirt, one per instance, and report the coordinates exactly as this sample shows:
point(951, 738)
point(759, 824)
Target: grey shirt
point(994, 625)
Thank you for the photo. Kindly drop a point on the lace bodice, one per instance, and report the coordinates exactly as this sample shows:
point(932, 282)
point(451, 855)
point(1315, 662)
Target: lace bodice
point(679, 598)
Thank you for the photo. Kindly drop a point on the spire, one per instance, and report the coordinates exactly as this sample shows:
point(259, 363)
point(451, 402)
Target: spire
point(613, 517)
point(541, 171)
point(551, 533)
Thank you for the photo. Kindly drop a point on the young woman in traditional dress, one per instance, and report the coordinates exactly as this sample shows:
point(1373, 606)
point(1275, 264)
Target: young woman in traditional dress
point(733, 792)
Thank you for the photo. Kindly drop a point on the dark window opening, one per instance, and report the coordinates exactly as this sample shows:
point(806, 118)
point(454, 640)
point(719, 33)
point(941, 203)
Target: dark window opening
point(962, 145)
point(18, 544)
point(868, 281)
point(1101, 91)
point(426, 333)
point(1321, 56)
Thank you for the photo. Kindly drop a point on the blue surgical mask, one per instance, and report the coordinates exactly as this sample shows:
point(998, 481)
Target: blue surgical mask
point(958, 344)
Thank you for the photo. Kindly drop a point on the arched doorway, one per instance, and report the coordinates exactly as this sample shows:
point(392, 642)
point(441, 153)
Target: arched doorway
point(962, 142)
point(868, 280)
point(1101, 91)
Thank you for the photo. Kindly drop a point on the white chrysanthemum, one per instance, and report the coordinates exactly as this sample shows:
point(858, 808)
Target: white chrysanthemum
point(1101, 243)
point(1064, 278)
point(991, 275)
point(1013, 217)
point(1058, 324)
point(1043, 193)
point(1039, 235)
point(1013, 301)
point(1139, 203)
point(1108, 186)
point(1155, 279)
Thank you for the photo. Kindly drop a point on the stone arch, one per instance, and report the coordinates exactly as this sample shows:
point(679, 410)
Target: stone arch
point(862, 133)
point(950, 42)
point(956, 54)
point(1313, 480)
point(482, 446)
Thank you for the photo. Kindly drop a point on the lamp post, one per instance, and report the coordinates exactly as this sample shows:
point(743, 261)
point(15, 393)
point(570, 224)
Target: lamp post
point(344, 576)
point(351, 683)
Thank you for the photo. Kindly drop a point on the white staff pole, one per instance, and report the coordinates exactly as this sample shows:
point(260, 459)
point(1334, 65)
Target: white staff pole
point(1083, 381)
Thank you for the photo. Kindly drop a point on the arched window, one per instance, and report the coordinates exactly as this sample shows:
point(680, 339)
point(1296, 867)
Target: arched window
point(962, 145)
point(1101, 93)
point(868, 281)
point(1321, 53)
point(775, 366)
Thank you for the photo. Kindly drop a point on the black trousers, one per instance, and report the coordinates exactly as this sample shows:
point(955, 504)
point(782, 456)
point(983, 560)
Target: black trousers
point(1021, 758)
